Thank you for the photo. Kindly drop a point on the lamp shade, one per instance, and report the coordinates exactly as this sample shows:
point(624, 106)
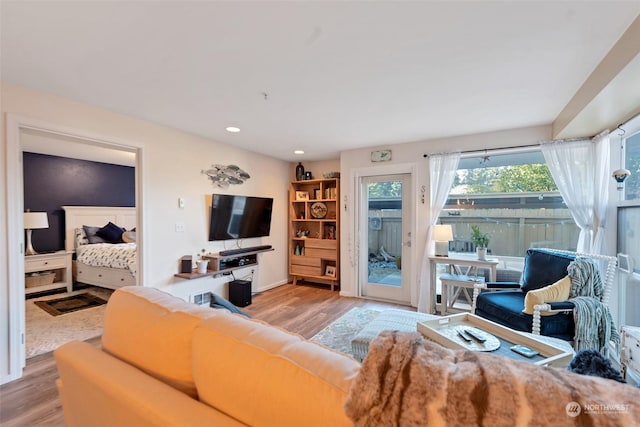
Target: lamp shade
point(442, 233)
point(35, 220)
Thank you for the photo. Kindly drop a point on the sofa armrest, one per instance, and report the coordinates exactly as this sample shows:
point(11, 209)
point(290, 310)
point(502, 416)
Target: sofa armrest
point(99, 389)
point(548, 307)
point(490, 286)
point(502, 285)
point(563, 305)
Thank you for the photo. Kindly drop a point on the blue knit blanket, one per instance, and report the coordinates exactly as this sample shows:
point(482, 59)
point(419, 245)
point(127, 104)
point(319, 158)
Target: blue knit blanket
point(594, 326)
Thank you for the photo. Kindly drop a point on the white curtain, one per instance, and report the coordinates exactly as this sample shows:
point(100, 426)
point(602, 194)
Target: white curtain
point(602, 152)
point(442, 170)
point(579, 169)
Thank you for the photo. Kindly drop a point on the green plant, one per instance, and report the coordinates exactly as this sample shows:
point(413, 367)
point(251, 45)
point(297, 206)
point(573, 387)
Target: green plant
point(479, 238)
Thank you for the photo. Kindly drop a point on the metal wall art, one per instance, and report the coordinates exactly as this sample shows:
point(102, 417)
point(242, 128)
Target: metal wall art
point(381, 156)
point(222, 176)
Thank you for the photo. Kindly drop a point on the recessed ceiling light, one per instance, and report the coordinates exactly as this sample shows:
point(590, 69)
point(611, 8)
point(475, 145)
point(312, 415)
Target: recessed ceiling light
point(232, 129)
point(298, 152)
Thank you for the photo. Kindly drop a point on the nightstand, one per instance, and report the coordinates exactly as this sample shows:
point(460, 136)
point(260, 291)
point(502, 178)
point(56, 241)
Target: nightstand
point(44, 272)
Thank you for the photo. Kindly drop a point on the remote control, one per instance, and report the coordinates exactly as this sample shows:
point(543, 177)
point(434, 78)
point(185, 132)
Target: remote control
point(463, 336)
point(475, 335)
point(524, 351)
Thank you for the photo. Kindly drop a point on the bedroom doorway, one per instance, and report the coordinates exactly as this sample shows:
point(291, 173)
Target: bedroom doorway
point(63, 142)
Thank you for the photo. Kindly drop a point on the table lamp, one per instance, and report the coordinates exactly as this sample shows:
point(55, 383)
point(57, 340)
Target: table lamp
point(33, 221)
point(442, 234)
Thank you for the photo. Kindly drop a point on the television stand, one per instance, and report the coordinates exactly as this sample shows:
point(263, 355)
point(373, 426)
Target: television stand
point(222, 264)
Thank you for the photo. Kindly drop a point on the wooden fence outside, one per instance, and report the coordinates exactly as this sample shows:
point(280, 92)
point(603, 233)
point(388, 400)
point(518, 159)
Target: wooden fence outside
point(511, 231)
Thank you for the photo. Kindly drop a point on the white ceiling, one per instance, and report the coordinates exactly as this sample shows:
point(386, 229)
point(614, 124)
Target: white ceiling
point(338, 75)
point(34, 141)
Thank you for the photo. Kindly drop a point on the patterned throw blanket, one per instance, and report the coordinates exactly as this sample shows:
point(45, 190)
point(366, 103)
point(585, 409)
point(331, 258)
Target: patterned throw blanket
point(594, 326)
point(408, 381)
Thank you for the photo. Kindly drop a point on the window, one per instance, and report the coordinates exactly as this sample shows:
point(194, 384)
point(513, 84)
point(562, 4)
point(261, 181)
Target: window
point(511, 197)
point(632, 162)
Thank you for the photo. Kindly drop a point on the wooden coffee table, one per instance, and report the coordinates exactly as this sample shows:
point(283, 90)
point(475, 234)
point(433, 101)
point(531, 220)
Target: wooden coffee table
point(443, 330)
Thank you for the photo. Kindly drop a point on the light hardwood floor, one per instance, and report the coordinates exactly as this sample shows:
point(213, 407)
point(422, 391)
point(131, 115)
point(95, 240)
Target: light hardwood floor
point(303, 309)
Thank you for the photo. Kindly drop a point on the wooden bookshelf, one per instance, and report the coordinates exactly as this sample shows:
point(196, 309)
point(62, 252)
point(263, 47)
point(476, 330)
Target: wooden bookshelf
point(314, 230)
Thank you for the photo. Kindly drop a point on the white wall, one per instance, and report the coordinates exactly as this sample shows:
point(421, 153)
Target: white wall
point(412, 154)
point(317, 168)
point(172, 164)
point(4, 273)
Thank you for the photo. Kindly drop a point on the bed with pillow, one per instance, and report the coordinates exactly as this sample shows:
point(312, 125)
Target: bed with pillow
point(104, 242)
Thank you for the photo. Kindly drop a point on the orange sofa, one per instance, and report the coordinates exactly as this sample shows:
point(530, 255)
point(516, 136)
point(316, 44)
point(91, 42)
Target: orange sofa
point(168, 363)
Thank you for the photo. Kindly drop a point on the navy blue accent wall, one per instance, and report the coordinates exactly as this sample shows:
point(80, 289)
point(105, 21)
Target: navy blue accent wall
point(51, 182)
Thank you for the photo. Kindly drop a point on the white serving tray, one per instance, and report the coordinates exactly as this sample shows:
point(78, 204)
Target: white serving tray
point(442, 331)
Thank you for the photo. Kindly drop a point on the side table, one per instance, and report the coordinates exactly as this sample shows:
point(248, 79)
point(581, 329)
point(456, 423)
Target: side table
point(455, 286)
point(630, 352)
point(455, 262)
point(57, 264)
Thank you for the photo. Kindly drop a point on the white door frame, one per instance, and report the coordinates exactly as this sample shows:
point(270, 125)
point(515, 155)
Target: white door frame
point(392, 169)
point(15, 234)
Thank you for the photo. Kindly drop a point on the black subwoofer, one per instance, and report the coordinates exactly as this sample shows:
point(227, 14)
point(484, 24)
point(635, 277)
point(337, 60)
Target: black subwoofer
point(240, 293)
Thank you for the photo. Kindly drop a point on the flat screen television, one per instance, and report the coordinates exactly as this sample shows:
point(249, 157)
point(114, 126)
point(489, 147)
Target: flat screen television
point(239, 217)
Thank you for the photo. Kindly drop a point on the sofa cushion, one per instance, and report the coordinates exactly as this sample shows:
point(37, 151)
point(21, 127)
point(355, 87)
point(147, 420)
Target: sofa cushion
point(152, 330)
point(262, 375)
point(505, 308)
point(97, 389)
point(543, 267)
point(90, 234)
point(556, 292)
point(111, 233)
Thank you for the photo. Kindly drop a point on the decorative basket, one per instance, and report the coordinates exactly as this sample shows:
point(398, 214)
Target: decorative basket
point(329, 175)
point(39, 279)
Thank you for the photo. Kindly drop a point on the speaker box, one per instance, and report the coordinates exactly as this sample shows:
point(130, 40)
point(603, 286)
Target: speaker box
point(240, 293)
point(185, 264)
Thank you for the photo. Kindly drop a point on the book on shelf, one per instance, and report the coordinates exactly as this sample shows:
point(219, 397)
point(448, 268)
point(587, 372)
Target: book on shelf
point(330, 193)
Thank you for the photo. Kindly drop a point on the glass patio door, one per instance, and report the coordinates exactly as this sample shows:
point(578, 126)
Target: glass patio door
point(385, 237)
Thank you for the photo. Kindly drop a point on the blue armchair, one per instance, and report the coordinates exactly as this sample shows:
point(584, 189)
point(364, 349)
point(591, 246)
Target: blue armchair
point(542, 267)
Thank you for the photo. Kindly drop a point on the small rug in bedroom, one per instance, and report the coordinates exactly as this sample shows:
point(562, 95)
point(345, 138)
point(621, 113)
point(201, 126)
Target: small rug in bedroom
point(69, 304)
point(338, 335)
point(46, 332)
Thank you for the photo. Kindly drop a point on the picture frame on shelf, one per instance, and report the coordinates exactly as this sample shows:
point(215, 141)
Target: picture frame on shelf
point(302, 195)
point(330, 271)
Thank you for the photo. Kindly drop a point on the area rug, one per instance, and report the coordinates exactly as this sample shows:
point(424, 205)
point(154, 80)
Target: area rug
point(338, 335)
point(45, 333)
point(69, 304)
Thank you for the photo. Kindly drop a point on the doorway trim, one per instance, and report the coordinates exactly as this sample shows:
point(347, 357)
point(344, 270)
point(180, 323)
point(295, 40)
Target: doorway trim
point(15, 206)
point(392, 169)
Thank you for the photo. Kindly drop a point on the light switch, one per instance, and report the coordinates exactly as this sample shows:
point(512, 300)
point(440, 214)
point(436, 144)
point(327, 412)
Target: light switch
point(180, 227)
point(180, 202)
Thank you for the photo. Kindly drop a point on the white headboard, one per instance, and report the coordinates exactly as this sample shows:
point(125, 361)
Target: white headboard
point(77, 216)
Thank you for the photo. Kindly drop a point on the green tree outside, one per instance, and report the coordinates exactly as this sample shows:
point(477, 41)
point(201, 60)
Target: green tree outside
point(506, 179)
point(632, 184)
point(386, 189)
point(500, 179)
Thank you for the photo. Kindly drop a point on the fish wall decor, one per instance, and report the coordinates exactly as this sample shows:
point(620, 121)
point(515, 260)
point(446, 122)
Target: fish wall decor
point(222, 176)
